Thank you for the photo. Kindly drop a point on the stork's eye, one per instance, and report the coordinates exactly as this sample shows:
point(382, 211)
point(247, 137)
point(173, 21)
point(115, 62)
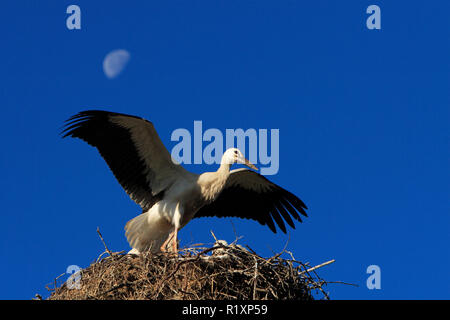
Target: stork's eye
point(235, 152)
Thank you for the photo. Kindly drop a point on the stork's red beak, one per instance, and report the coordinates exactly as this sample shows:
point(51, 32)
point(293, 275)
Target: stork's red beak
point(250, 165)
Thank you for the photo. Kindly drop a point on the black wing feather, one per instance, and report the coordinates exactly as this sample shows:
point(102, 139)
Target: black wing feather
point(266, 204)
point(116, 147)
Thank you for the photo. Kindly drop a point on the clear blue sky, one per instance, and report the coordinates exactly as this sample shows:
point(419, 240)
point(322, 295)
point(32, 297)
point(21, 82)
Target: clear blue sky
point(363, 118)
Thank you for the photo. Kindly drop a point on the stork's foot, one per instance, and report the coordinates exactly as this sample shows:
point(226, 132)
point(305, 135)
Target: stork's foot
point(170, 246)
point(170, 252)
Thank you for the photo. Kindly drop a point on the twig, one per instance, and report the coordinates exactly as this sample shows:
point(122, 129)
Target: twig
point(37, 296)
point(101, 238)
point(317, 267)
point(342, 282)
point(236, 237)
point(282, 251)
point(255, 278)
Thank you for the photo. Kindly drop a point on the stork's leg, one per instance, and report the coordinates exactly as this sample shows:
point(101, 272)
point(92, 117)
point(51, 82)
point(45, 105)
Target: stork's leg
point(167, 245)
point(175, 241)
point(171, 243)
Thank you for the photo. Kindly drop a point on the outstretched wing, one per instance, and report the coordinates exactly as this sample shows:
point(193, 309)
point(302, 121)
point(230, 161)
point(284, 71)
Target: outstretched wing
point(250, 195)
point(132, 149)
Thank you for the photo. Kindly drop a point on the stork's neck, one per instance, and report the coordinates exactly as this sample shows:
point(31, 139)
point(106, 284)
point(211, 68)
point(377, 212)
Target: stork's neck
point(212, 183)
point(222, 175)
point(224, 169)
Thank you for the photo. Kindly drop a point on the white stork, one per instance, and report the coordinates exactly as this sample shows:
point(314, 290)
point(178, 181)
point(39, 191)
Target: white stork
point(171, 196)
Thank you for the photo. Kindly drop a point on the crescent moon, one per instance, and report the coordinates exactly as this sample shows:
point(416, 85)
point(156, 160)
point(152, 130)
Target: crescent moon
point(115, 62)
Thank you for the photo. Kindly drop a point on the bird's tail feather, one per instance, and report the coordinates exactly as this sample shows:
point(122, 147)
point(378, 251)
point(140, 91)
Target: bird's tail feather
point(147, 232)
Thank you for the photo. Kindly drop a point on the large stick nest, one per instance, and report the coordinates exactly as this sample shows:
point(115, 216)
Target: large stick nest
point(219, 272)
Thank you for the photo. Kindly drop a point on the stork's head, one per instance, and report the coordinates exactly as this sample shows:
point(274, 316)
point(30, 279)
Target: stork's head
point(234, 155)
